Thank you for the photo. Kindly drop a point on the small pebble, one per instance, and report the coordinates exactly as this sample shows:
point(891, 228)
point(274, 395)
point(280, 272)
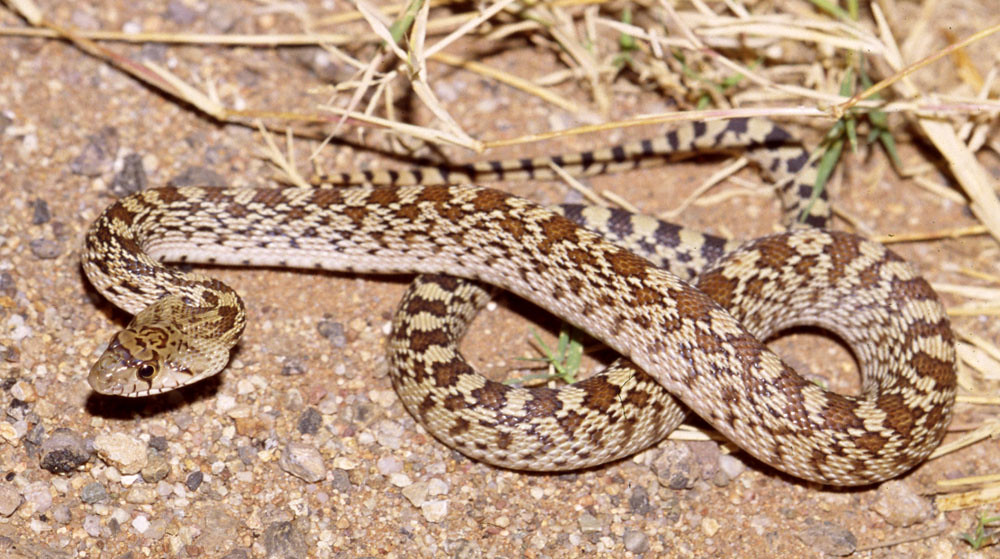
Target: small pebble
point(416, 493)
point(638, 501)
point(333, 331)
point(222, 534)
point(345, 463)
point(93, 493)
point(293, 367)
point(588, 523)
point(132, 177)
point(434, 511)
point(124, 452)
point(61, 514)
point(64, 451)
point(224, 403)
point(40, 212)
point(7, 284)
point(389, 465)
point(10, 499)
point(310, 421)
point(283, 540)
point(141, 495)
point(829, 538)
point(98, 154)
point(17, 330)
point(45, 249)
point(92, 525)
point(389, 434)
point(141, 524)
point(156, 467)
point(436, 487)
point(303, 461)
point(247, 454)
point(400, 480)
point(9, 433)
point(38, 494)
point(193, 481)
point(180, 13)
point(341, 481)
point(158, 443)
point(676, 466)
point(709, 526)
point(730, 468)
point(900, 505)
point(635, 541)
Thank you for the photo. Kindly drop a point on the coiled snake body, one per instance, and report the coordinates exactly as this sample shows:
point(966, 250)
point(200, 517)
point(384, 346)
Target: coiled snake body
point(700, 344)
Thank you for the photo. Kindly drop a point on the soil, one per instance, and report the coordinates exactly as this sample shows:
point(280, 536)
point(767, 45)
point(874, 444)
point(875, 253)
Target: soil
point(214, 478)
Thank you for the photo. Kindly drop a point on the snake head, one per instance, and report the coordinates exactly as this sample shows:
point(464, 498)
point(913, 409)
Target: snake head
point(135, 364)
point(167, 345)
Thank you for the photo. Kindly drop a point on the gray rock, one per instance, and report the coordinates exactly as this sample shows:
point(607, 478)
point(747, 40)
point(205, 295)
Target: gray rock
point(636, 541)
point(179, 12)
point(730, 468)
point(156, 467)
point(333, 331)
point(7, 284)
point(98, 155)
point(93, 493)
point(221, 530)
point(900, 506)
point(64, 451)
point(676, 467)
point(193, 481)
point(132, 177)
point(45, 249)
point(303, 461)
point(589, 523)
point(158, 443)
point(283, 540)
point(638, 501)
point(40, 214)
point(61, 514)
point(10, 499)
point(829, 538)
point(310, 421)
point(39, 494)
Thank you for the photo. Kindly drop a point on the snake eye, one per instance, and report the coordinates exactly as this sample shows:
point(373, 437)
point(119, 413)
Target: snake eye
point(146, 372)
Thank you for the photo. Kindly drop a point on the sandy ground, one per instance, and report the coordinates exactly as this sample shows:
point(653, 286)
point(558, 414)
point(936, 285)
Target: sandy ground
point(201, 473)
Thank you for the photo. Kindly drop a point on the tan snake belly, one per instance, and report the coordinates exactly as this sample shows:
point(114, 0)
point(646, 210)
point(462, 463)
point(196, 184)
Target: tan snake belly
point(710, 359)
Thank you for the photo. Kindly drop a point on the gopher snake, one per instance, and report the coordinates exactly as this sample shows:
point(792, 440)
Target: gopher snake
point(710, 359)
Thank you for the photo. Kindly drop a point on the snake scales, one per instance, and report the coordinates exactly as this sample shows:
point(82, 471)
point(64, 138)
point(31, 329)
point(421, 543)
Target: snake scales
point(700, 344)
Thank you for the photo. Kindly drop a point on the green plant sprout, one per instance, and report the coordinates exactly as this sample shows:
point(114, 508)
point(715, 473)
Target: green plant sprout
point(564, 360)
point(981, 537)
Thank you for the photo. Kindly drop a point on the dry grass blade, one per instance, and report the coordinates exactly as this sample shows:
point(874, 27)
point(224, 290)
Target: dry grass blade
point(969, 499)
point(509, 79)
point(424, 133)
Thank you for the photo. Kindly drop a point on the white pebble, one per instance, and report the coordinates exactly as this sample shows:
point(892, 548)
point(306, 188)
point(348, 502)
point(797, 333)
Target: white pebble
point(122, 451)
point(224, 403)
point(141, 524)
point(303, 461)
point(436, 487)
point(400, 480)
point(389, 465)
point(434, 511)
